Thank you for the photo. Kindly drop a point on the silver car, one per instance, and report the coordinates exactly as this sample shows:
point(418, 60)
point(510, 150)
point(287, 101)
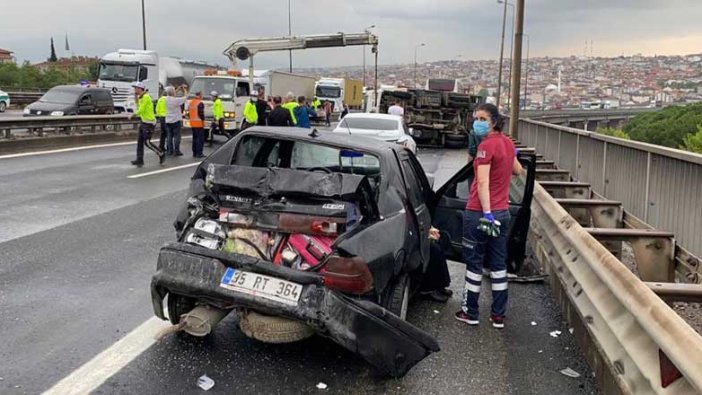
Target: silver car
point(384, 127)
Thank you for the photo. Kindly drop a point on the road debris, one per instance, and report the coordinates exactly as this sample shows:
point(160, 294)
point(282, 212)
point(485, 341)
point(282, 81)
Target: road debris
point(533, 323)
point(205, 382)
point(571, 330)
point(555, 333)
point(436, 311)
point(321, 386)
point(570, 373)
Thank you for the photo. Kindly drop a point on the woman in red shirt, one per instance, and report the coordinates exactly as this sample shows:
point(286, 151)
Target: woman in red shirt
point(486, 218)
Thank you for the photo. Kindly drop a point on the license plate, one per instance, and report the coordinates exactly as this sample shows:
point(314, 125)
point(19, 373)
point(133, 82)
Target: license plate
point(255, 284)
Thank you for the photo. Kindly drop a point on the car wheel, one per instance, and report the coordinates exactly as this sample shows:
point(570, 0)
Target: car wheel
point(177, 306)
point(3, 106)
point(455, 141)
point(398, 296)
point(272, 329)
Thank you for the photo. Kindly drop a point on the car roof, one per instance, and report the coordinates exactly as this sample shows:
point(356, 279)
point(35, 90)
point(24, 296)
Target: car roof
point(353, 142)
point(78, 88)
point(371, 115)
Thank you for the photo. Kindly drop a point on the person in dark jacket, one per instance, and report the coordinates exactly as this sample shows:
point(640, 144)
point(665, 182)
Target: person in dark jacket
point(303, 112)
point(262, 107)
point(280, 116)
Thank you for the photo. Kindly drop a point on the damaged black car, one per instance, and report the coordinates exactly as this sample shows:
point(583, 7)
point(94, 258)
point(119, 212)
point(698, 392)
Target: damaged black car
point(303, 233)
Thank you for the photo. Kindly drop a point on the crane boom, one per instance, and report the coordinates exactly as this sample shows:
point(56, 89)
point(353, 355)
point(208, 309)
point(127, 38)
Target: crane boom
point(243, 49)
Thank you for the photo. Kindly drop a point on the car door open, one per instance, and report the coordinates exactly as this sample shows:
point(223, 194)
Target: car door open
point(450, 200)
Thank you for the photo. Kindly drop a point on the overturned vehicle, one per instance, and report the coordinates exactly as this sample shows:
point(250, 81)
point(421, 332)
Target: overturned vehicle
point(301, 233)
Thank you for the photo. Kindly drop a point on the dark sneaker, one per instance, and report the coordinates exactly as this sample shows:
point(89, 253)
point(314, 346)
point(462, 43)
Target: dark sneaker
point(178, 153)
point(138, 162)
point(498, 321)
point(161, 157)
point(436, 296)
point(464, 317)
point(445, 291)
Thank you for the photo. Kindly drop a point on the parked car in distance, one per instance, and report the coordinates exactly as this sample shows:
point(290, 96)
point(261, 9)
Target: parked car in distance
point(72, 100)
point(301, 232)
point(384, 127)
point(4, 101)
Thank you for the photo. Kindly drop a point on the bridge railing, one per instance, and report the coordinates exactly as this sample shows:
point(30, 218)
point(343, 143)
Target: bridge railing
point(660, 185)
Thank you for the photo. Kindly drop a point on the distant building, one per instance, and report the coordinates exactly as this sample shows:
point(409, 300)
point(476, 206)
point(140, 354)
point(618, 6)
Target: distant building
point(80, 64)
point(6, 56)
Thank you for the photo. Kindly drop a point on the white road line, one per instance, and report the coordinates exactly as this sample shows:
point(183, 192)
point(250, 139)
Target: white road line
point(95, 372)
point(81, 148)
point(151, 173)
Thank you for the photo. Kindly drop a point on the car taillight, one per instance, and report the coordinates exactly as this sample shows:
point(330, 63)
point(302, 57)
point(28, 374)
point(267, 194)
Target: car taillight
point(347, 275)
point(324, 227)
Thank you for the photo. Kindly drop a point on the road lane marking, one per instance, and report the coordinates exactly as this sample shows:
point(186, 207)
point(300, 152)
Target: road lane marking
point(72, 149)
point(95, 372)
point(151, 173)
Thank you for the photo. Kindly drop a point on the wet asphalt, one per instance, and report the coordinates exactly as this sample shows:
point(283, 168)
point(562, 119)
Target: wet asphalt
point(78, 246)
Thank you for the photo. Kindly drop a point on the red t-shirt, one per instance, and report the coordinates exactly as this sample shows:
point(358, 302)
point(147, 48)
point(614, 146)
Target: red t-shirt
point(496, 150)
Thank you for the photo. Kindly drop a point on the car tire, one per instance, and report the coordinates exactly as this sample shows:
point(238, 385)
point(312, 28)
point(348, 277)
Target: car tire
point(455, 141)
point(179, 305)
point(3, 106)
point(272, 329)
point(398, 296)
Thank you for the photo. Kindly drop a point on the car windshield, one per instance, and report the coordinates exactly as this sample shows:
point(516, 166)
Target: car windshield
point(328, 91)
point(258, 151)
point(368, 124)
point(223, 86)
point(118, 72)
point(59, 96)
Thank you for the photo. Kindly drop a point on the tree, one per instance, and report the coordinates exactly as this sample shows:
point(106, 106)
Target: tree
point(613, 132)
point(693, 142)
point(667, 127)
point(53, 57)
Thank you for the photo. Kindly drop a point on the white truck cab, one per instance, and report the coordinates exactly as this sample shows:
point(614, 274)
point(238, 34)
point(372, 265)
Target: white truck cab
point(332, 90)
point(233, 90)
point(119, 70)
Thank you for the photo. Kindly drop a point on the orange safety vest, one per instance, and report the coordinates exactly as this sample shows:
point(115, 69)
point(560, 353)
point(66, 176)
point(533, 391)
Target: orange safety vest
point(195, 121)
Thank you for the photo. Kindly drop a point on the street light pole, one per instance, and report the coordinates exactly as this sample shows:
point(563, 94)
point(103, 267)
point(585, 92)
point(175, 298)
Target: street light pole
point(290, 33)
point(415, 63)
point(511, 47)
point(502, 51)
point(364, 56)
point(526, 71)
point(516, 68)
point(143, 23)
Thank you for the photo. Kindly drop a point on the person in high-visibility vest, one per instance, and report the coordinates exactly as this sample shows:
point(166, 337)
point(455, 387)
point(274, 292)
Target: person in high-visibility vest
point(290, 105)
point(316, 103)
point(218, 115)
point(250, 112)
point(145, 111)
point(161, 120)
point(196, 115)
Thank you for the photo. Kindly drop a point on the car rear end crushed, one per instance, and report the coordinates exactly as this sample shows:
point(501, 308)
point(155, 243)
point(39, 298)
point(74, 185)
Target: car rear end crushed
point(305, 250)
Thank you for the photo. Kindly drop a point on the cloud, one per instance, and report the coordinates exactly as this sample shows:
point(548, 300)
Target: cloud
point(470, 28)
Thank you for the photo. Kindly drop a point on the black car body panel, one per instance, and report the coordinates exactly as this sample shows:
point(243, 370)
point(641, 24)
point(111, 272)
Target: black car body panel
point(381, 338)
point(75, 100)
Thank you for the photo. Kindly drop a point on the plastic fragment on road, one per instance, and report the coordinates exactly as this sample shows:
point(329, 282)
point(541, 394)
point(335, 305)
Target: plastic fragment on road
point(321, 386)
point(436, 311)
point(571, 330)
point(555, 333)
point(570, 373)
point(205, 382)
point(533, 323)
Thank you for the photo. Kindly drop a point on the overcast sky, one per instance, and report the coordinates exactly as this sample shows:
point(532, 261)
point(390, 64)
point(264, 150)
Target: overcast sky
point(202, 29)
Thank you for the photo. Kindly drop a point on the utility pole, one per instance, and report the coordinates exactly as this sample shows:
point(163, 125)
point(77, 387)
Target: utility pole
point(511, 47)
point(502, 52)
point(516, 69)
point(415, 63)
point(143, 23)
point(290, 33)
point(526, 71)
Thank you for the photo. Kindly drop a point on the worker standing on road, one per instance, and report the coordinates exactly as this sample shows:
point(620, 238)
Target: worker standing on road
point(196, 114)
point(327, 113)
point(486, 218)
point(302, 113)
point(250, 112)
point(316, 103)
point(218, 115)
point(396, 109)
point(145, 111)
point(262, 107)
point(280, 116)
point(174, 119)
point(290, 105)
point(161, 119)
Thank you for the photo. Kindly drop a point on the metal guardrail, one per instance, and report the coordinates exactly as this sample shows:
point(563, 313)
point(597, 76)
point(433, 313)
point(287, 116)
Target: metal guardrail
point(40, 126)
point(538, 114)
point(21, 99)
point(632, 339)
point(659, 185)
